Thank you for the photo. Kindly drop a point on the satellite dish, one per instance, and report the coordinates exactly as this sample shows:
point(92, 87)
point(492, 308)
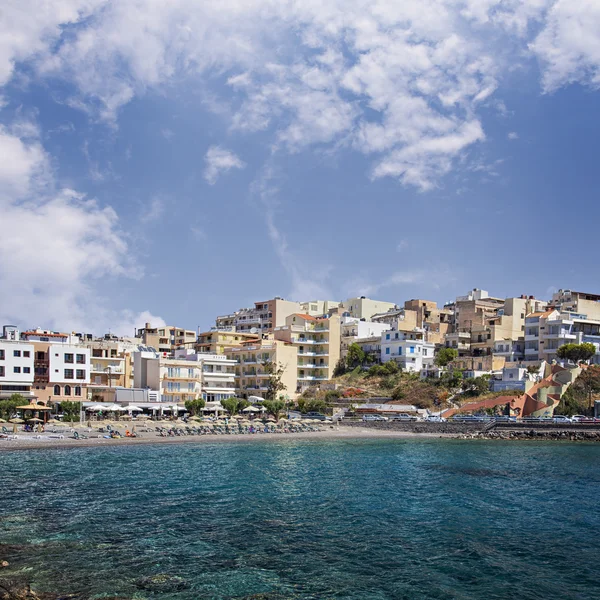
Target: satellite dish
point(253, 330)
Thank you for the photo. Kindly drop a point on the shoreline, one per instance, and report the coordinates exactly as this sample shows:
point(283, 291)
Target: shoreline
point(341, 433)
point(30, 443)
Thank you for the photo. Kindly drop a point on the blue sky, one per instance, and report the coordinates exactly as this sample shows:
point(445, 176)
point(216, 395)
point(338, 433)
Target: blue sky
point(171, 161)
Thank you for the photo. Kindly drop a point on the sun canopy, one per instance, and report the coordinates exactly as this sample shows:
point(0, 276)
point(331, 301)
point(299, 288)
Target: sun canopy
point(132, 408)
point(34, 407)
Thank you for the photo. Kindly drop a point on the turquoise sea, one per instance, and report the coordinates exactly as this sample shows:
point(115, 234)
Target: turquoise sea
point(356, 519)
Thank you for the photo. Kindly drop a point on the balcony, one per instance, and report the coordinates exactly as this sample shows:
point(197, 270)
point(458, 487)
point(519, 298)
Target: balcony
point(531, 351)
point(307, 353)
point(312, 378)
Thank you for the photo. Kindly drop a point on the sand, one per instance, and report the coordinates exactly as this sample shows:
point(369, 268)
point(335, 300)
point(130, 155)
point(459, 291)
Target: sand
point(29, 442)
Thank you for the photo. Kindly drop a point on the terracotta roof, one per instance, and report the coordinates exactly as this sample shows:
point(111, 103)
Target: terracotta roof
point(46, 334)
point(305, 317)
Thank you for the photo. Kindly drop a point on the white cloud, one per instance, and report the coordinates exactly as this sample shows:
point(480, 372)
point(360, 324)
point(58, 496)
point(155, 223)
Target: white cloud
point(56, 245)
point(569, 44)
point(218, 161)
point(513, 135)
point(402, 81)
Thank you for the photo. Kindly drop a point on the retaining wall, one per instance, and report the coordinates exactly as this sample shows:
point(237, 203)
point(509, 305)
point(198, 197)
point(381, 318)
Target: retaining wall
point(416, 427)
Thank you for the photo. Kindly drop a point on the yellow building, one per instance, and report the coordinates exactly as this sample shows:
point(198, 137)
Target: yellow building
point(166, 338)
point(250, 374)
point(217, 342)
point(318, 343)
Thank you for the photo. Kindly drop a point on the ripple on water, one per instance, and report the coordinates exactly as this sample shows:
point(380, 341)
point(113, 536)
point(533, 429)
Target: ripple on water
point(306, 519)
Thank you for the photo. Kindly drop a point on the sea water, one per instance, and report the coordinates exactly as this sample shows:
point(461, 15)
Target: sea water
point(307, 519)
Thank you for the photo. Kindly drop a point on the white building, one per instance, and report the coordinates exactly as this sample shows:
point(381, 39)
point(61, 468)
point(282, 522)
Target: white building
point(69, 370)
point(365, 308)
point(186, 376)
point(16, 368)
point(354, 329)
point(408, 349)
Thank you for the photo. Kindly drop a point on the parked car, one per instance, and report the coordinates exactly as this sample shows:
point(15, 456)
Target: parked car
point(435, 419)
point(561, 419)
point(584, 419)
point(315, 415)
point(374, 418)
point(403, 417)
point(471, 418)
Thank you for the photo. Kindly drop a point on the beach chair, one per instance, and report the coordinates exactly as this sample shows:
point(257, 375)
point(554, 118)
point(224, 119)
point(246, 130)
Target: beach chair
point(5, 430)
point(79, 436)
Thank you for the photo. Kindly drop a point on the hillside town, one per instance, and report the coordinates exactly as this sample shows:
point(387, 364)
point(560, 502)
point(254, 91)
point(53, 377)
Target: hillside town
point(515, 351)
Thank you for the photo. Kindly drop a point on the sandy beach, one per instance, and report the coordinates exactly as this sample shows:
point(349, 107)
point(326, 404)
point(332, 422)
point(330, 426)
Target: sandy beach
point(29, 442)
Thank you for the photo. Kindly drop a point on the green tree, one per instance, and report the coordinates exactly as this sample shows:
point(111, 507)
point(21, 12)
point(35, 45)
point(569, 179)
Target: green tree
point(445, 356)
point(576, 353)
point(588, 384)
point(391, 367)
point(475, 386)
point(195, 406)
point(70, 411)
point(8, 407)
point(340, 368)
point(275, 384)
point(235, 405)
point(275, 407)
point(355, 357)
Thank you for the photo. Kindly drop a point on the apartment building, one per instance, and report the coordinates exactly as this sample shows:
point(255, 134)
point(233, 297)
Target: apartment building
point(111, 362)
point(218, 341)
point(581, 303)
point(353, 329)
point(167, 338)
point(371, 346)
point(186, 376)
point(319, 308)
point(318, 342)
point(364, 308)
point(546, 332)
point(408, 348)
point(250, 375)
point(436, 322)
point(16, 365)
point(264, 316)
point(474, 309)
point(61, 365)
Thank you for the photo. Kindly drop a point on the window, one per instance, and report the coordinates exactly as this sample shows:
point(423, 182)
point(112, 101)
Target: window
point(396, 336)
point(190, 387)
point(80, 374)
point(412, 349)
point(424, 351)
point(68, 358)
point(399, 350)
point(26, 354)
point(387, 336)
point(68, 373)
point(81, 359)
point(1, 354)
point(387, 350)
point(67, 390)
point(17, 353)
point(57, 390)
point(40, 355)
point(191, 373)
point(16, 369)
point(26, 369)
point(78, 390)
point(1, 371)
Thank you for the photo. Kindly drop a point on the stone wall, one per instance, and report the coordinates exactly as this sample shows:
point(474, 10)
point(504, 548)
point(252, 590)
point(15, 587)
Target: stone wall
point(416, 427)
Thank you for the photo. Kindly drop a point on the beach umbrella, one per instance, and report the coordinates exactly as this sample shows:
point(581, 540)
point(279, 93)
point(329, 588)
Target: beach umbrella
point(96, 407)
point(36, 420)
point(34, 407)
point(132, 408)
point(16, 421)
point(250, 409)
